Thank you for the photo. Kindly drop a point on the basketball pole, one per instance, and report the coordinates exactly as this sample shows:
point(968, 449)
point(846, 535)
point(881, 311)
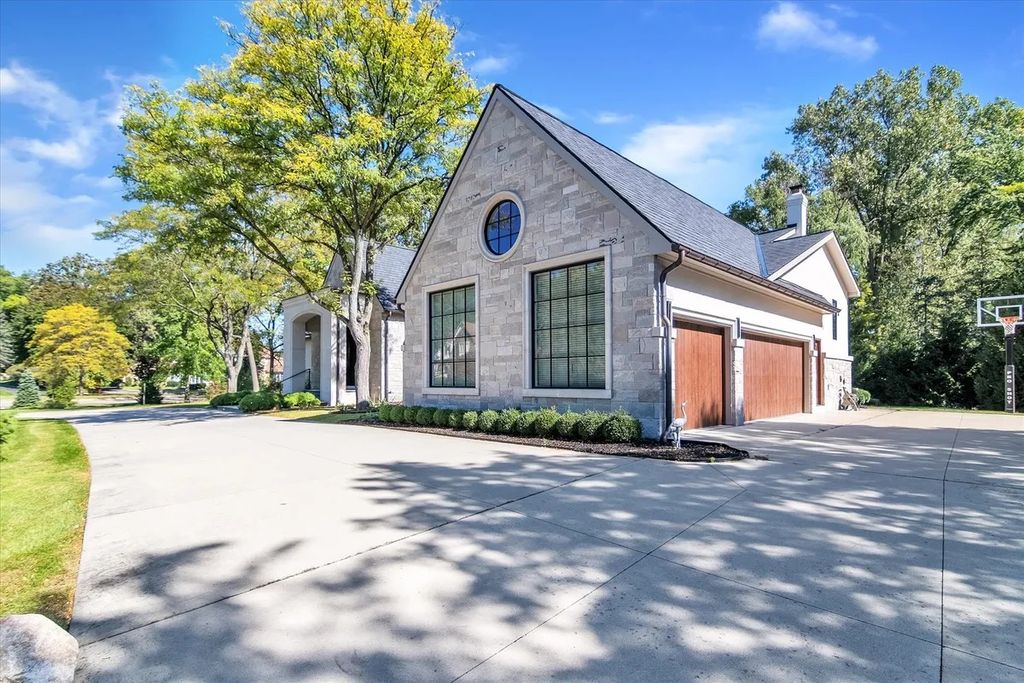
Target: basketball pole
point(1011, 393)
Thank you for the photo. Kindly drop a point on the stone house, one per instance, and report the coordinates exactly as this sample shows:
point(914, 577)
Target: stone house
point(319, 353)
point(556, 272)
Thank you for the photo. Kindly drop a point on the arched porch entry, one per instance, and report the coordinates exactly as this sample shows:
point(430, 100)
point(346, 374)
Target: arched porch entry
point(312, 357)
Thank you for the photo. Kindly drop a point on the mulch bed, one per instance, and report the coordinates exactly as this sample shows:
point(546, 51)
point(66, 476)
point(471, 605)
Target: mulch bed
point(688, 451)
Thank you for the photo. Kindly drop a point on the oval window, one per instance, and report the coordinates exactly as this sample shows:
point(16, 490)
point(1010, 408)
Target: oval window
point(502, 228)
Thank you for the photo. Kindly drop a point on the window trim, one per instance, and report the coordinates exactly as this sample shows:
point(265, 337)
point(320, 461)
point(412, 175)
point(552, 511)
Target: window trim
point(438, 287)
point(568, 260)
point(493, 201)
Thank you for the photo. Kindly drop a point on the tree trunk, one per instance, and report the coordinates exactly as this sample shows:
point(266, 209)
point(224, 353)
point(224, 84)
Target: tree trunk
point(232, 376)
point(358, 321)
point(254, 371)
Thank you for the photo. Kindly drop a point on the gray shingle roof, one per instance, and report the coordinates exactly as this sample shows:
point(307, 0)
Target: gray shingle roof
point(389, 269)
point(681, 217)
point(778, 253)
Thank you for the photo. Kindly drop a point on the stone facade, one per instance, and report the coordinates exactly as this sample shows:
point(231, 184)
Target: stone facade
point(565, 220)
point(838, 374)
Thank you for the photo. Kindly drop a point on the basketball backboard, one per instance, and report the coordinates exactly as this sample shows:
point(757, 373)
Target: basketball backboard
point(994, 310)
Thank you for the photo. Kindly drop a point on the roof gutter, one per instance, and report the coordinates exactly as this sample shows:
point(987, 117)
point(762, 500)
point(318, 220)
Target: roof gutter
point(666, 346)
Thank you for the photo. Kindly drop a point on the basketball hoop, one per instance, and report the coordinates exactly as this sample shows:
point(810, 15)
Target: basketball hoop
point(1005, 312)
point(1009, 324)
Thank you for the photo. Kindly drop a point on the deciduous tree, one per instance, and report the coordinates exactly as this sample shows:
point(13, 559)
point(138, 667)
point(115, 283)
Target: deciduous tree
point(76, 344)
point(329, 134)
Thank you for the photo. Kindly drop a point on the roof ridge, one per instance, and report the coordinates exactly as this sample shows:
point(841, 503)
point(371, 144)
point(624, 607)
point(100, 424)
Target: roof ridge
point(499, 86)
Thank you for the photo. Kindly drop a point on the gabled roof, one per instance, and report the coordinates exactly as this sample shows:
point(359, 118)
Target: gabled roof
point(678, 215)
point(389, 269)
point(707, 235)
point(779, 250)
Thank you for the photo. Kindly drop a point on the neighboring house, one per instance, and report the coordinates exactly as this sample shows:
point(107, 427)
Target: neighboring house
point(555, 272)
point(319, 353)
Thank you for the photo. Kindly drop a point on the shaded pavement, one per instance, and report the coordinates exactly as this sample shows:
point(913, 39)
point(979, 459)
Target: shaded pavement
point(875, 546)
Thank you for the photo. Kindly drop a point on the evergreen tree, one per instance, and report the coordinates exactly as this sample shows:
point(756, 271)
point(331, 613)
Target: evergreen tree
point(6, 342)
point(28, 391)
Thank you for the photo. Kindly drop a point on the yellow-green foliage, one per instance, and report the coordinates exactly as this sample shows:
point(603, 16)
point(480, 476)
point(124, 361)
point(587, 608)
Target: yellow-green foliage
point(76, 344)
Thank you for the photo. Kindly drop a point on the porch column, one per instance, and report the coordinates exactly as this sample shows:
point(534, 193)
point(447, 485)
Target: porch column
point(736, 383)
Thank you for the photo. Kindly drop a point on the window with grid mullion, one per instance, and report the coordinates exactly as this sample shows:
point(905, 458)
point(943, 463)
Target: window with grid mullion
point(568, 327)
point(453, 337)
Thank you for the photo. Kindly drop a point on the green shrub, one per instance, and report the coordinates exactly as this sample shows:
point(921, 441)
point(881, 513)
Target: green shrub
point(62, 395)
point(589, 426)
point(487, 420)
point(28, 391)
point(6, 425)
point(382, 412)
point(441, 416)
point(545, 423)
point(260, 400)
point(507, 420)
point(470, 419)
point(409, 415)
point(300, 399)
point(621, 427)
point(863, 396)
point(396, 414)
point(525, 424)
point(228, 399)
point(455, 419)
point(566, 425)
point(424, 416)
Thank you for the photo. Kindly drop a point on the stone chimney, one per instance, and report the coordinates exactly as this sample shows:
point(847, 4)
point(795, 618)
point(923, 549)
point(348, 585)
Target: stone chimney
point(796, 210)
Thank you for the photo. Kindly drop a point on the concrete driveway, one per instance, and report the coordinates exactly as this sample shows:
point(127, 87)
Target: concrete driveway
point(876, 546)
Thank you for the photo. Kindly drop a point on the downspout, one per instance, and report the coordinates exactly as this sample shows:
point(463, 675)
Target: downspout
point(666, 347)
point(338, 340)
point(387, 317)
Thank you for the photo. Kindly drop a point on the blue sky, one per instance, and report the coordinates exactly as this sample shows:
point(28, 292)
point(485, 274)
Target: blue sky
point(697, 92)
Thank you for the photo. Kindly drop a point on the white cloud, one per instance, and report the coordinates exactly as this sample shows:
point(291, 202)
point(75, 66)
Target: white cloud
point(610, 117)
point(790, 27)
point(491, 65)
point(712, 158)
point(78, 121)
point(99, 182)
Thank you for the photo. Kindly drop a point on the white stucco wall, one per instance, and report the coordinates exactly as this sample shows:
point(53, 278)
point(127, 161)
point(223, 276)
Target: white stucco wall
point(295, 312)
point(817, 274)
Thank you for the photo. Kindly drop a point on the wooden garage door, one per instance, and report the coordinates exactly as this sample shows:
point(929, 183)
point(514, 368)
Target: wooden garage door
point(773, 377)
point(700, 374)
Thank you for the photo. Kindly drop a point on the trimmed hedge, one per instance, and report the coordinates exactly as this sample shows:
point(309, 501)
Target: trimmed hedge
point(524, 426)
point(544, 424)
point(566, 425)
point(261, 400)
point(589, 426)
point(592, 426)
point(300, 399)
point(441, 416)
point(486, 421)
point(620, 427)
point(507, 419)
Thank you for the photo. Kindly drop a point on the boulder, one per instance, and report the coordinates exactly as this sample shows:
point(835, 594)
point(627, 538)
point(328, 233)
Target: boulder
point(33, 649)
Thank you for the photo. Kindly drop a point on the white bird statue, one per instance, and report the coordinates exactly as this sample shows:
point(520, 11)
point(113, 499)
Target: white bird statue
point(675, 429)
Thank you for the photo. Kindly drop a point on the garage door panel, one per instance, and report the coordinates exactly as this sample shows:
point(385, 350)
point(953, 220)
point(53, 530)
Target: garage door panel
point(700, 374)
point(773, 377)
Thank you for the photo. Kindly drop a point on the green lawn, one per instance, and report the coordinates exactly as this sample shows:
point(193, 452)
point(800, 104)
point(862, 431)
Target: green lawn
point(44, 489)
point(943, 410)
